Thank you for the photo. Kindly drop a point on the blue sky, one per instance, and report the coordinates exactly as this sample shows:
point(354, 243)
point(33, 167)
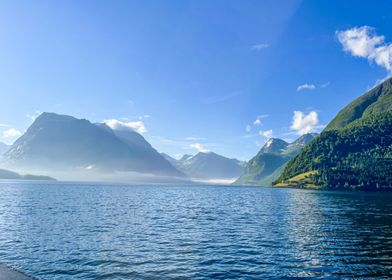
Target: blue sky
point(191, 75)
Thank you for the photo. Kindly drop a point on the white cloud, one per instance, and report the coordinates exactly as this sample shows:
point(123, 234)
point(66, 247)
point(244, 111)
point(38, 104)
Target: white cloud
point(306, 86)
point(383, 56)
point(364, 42)
point(248, 128)
point(259, 47)
point(199, 147)
point(304, 123)
point(257, 121)
point(12, 132)
point(137, 126)
point(144, 117)
point(266, 133)
point(359, 41)
point(325, 85)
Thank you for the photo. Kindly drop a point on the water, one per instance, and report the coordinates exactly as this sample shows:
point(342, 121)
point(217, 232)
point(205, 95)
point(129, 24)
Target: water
point(102, 231)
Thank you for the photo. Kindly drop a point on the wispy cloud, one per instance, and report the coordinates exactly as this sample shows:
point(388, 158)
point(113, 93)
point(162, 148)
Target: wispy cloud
point(325, 85)
point(146, 116)
point(11, 133)
point(3, 125)
point(192, 138)
point(306, 87)
point(185, 143)
point(303, 123)
point(259, 47)
point(257, 122)
point(137, 126)
point(132, 117)
point(266, 133)
point(364, 42)
point(199, 147)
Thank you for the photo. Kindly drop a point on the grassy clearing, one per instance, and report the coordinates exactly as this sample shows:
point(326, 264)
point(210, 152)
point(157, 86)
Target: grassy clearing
point(302, 181)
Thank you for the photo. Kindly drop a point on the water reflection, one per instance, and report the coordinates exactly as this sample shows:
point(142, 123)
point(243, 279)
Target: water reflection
point(90, 231)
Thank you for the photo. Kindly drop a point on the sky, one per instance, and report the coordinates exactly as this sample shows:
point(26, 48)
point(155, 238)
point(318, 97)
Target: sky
point(191, 76)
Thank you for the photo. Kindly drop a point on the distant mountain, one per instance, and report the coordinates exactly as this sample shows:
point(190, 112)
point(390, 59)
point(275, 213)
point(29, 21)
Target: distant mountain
point(274, 146)
point(60, 142)
point(10, 175)
point(353, 152)
point(3, 148)
point(269, 162)
point(170, 159)
point(176, 163)
point(206, 166)
point(294, 148)
point(185, 157)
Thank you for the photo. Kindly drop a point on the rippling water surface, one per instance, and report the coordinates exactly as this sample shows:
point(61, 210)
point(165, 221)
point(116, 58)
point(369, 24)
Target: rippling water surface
point(106, 231)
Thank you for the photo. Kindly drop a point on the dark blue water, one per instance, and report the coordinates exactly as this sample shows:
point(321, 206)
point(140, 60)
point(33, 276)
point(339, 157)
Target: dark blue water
point(98, 231)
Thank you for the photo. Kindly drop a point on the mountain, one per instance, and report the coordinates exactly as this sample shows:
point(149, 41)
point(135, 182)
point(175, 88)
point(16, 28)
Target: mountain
point(176, 163)
point(294, 148)
point(59, 142)
point(269, 162)
point(170, 159)
point(377, 101)
point(10, 175)
point(185, 157)
point(3, 148)
point(207, 166)
point(274, 146)
point(353, 152)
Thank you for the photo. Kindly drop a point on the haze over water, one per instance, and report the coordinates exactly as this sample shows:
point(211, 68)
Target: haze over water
point(101, 231)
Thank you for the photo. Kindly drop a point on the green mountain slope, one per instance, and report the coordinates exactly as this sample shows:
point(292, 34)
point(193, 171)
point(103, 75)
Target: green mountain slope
point(353, 152)
point(377, 100)
point(269, 162)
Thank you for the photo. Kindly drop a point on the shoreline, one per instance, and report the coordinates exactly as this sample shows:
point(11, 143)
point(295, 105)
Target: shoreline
point(10, 273)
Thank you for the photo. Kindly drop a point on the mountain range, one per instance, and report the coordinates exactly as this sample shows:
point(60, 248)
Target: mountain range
point(208, 166)
point(269, 162)
point(63, 143)
point(10, 175)
point(353, 152)
point(59, 142)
